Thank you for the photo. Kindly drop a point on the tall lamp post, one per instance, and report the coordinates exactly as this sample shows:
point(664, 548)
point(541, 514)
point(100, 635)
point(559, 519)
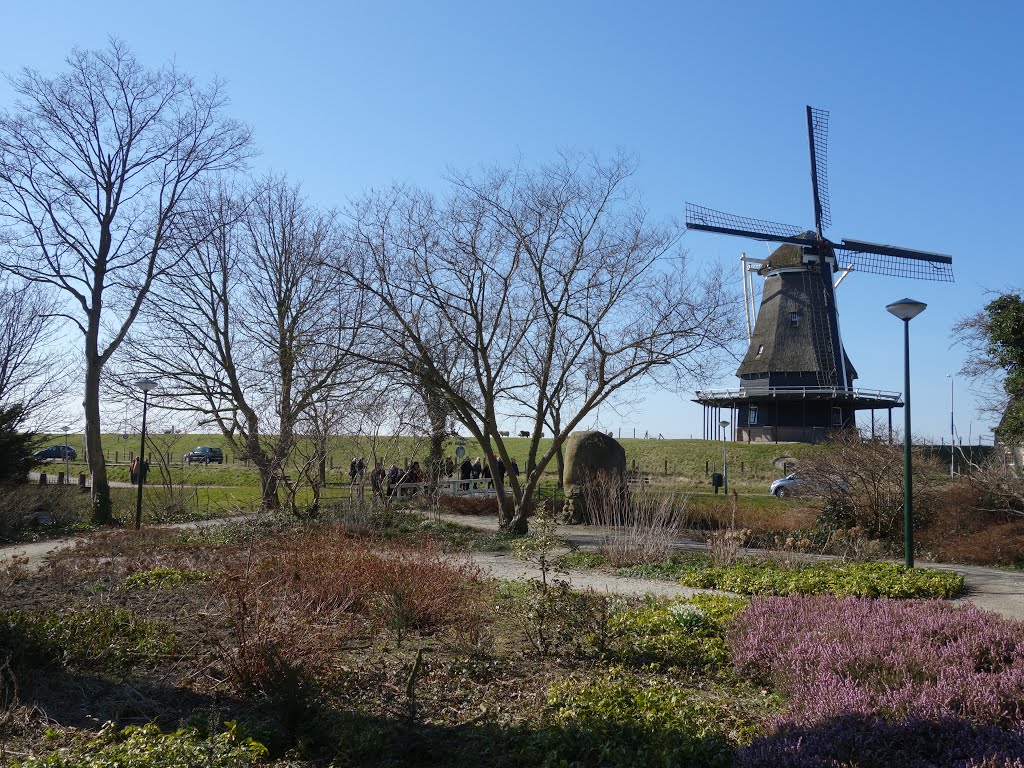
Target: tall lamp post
point(147, 386)
point(906, 310)
point(952, 430)
point(725, 457)
point(67, 457)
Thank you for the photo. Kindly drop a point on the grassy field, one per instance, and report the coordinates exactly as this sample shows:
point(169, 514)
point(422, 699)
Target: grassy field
point(682, 463)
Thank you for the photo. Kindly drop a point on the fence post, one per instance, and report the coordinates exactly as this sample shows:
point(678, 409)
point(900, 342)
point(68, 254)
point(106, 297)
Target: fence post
point(666, 467)
point(706, 463)
point(42, 478)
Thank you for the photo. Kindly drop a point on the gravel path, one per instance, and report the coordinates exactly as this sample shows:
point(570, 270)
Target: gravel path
point(988, 588)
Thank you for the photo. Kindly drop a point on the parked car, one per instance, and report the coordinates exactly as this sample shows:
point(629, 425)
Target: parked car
point(61, 452)
point(796, 484)
point(204, 454)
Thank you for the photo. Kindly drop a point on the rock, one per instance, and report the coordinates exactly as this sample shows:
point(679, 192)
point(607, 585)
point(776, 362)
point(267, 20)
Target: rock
point(596, 461)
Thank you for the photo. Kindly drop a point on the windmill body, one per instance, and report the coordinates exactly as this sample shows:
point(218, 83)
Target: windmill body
point(796, 380)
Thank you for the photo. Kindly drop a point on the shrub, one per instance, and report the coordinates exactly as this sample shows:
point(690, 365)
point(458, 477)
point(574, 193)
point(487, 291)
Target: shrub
point(826, 578)
point(669, 569)
point(468, 504)
point(147, 747)
point(103, 638)
point(620, 719)
point(863, 482)
point(681, 633)
point(916, 659)
point(554, 618)
point(579, 558)
point(162, 577)
point(857, 740)
point(26, 508)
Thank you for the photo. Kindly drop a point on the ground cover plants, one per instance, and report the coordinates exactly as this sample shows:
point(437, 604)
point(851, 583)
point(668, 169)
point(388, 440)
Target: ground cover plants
point(793, 575)
point(878, 682)
point(368, 637)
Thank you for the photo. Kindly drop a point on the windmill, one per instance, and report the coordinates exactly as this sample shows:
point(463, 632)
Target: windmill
point(796, 380)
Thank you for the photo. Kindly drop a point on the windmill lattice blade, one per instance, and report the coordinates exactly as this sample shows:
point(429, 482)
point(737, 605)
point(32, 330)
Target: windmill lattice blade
point(895, 265)
point(699, 217)
point(817, 127)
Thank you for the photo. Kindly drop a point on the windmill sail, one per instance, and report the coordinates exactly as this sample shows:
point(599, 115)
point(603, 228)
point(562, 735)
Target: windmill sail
point(796, 381)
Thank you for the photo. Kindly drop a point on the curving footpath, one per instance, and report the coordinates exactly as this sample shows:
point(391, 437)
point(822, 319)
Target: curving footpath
point(987, 588)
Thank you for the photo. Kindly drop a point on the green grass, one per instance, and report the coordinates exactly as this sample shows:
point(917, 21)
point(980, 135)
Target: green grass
point(681, 461)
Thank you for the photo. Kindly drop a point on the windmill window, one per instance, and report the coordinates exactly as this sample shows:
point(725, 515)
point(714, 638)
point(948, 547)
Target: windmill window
point(837, 417)
point(752, 416)
point(794, 318)
point(760, 349)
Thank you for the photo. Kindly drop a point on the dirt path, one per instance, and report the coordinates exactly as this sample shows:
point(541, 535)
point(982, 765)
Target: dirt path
point(993, 590)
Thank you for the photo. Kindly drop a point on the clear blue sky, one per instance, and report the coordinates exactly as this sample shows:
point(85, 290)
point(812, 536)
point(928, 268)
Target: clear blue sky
point(925, 98)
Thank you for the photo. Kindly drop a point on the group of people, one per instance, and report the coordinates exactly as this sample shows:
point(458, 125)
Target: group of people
point(475, 470)
point(384, 484)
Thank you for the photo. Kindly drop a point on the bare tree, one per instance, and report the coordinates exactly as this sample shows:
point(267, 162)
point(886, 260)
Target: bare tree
point(245, 331)
point(32, 372)
point(537, 285)
point(96, 168)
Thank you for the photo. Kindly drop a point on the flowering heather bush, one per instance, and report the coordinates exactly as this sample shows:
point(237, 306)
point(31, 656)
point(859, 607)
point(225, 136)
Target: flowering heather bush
point(826, 578)
point(920, 659)
point(856, 741)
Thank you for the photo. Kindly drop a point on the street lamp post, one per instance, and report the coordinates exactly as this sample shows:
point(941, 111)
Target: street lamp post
point(952, 429)
point(906, 310)
point(725, 457)
point(146, 386)
point(67, 458)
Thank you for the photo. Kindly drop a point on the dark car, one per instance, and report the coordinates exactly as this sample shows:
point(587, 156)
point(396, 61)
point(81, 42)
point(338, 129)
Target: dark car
point(61, 452)
point(204, 454)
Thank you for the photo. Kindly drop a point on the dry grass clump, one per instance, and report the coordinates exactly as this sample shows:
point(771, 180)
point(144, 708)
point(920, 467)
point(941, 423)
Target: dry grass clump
point(470, 504)
point(641, 525)
point(293, 601)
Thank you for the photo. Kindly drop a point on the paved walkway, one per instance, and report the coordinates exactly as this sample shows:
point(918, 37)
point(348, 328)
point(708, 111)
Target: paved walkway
point(988, 588)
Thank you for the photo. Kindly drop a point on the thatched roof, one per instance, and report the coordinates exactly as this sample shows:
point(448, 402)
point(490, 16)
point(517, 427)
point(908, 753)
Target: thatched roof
point(779, 345)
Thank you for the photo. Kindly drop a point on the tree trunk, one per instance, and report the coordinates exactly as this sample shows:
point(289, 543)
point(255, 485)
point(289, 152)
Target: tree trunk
point(437, 413)
point(102, 505)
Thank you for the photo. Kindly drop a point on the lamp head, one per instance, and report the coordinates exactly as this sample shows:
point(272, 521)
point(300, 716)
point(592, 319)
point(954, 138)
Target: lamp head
point(146, 385)
point(906, 309)
point(723, 423)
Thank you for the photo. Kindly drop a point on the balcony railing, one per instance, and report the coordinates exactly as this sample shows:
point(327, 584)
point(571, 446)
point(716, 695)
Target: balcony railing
point(792, 393)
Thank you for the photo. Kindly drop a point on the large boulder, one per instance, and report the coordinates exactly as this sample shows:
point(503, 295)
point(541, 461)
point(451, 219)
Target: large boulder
point(595, 468)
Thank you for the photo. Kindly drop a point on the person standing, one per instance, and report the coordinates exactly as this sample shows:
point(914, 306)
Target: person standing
point(477, 469)
point(377, 478)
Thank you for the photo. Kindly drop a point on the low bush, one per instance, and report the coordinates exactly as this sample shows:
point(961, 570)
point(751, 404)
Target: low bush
point(147, 747)
point(618, 718)
point(26, 510)
point(288, 599)
point(894, 659)
point(468, 504)
point(555, 619)
point(830, 577)
point(162, 577)
point(688, 634)
point(579, 558)
point(670, 569)
point(105, 638)
point(856, 740)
